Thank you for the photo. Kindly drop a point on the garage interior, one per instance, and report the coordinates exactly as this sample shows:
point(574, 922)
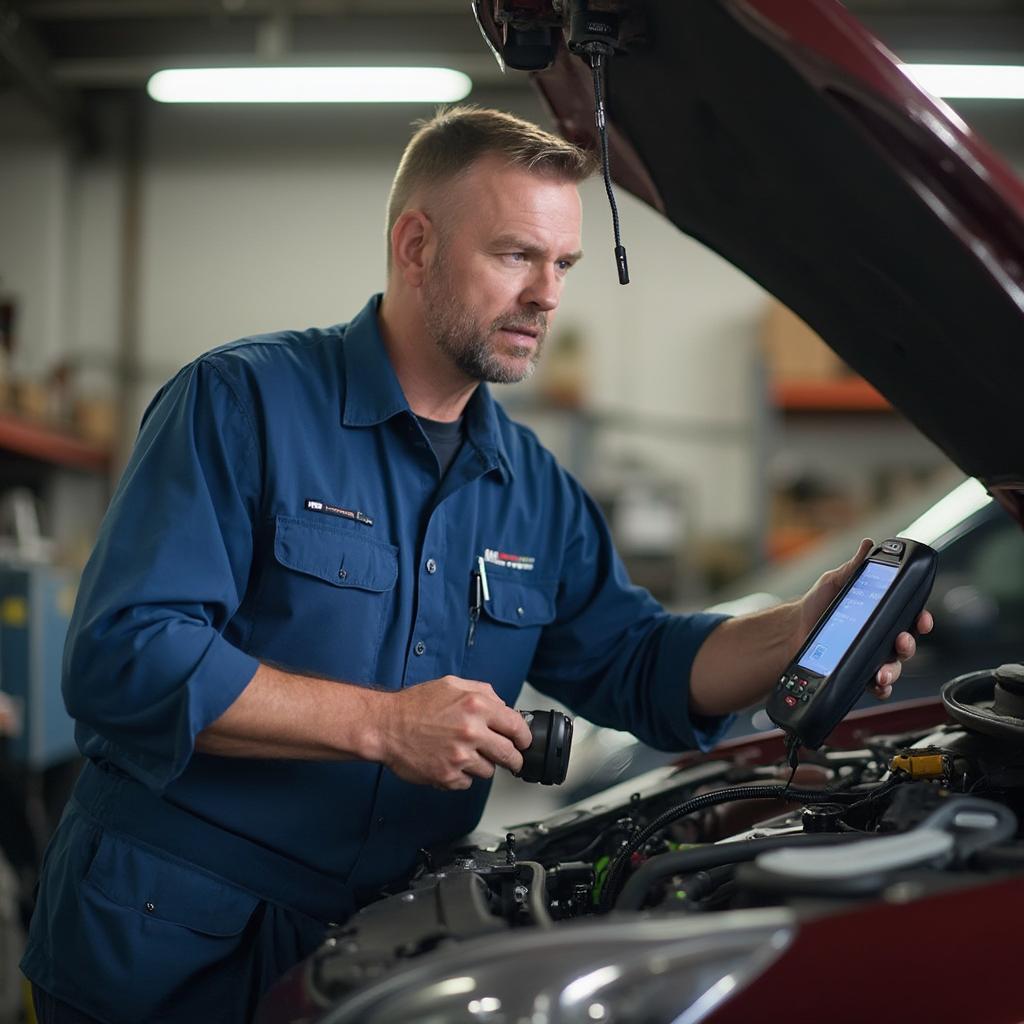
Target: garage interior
point(135, 235)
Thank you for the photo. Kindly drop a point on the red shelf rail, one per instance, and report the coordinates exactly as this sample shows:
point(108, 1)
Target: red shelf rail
point(848, 395)
point(38, 441)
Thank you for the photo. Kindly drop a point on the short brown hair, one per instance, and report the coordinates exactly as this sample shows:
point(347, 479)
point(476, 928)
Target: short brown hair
point(447, 144)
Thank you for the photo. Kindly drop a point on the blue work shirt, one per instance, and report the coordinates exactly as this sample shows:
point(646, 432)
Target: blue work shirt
point(283, 505)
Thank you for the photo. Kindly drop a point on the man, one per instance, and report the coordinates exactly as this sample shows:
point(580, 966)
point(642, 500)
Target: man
point(287, 673)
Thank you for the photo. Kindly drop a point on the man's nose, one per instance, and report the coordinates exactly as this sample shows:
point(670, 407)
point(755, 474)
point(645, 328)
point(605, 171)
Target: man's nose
point(544, 289)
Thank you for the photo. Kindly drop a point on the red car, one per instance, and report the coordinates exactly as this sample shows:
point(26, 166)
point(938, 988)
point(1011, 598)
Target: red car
point(884, 884)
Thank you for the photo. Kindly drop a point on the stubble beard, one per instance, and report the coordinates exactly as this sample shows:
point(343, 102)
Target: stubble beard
point(457, 334)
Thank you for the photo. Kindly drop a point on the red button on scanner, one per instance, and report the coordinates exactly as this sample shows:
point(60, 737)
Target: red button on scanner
point(801, 683)
point(790, 700)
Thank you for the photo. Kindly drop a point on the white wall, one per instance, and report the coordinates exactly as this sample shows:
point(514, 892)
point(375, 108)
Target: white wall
point(94, 283)
point(34, 197)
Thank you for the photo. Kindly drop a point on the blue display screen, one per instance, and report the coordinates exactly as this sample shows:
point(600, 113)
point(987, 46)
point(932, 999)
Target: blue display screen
point(833, 640)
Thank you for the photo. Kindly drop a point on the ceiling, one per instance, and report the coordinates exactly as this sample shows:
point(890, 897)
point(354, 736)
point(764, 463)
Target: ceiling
point(60, 53)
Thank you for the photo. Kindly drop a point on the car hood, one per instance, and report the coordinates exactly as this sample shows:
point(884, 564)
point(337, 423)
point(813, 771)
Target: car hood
point(787, 139)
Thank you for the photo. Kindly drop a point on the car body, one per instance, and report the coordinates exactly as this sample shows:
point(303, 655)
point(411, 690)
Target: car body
point(884, 882)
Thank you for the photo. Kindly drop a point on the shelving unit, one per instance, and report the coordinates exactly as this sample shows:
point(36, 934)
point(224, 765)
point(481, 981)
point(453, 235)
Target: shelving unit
point(852, 394)
point(845, 435)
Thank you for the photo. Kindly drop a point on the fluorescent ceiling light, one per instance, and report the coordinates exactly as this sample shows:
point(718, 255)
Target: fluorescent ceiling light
point(309, 85)
point(970, 81)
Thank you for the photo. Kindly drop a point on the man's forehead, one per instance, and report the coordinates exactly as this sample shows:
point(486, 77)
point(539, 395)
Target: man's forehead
point(505, 199)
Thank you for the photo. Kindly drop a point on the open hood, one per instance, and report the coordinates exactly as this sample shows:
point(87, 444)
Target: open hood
point(786, 138)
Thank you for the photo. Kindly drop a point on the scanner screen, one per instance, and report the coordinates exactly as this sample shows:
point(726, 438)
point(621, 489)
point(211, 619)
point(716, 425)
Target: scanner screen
point(825, 649)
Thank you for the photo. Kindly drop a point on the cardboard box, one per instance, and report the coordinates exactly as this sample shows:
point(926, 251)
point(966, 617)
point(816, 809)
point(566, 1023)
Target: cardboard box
point(793, 351)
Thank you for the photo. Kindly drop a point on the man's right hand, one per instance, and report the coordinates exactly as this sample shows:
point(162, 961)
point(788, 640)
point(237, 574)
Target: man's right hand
point(448, 731)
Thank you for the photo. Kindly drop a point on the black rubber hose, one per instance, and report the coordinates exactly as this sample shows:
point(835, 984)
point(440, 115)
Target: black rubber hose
point(1000, 857)
point(538, 894)
point(613, 879)
point(683, 862)
point(703, 883)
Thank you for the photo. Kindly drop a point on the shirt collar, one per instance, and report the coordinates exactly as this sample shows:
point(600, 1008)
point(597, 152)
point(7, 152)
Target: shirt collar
point(373, 393)
point(484, 430)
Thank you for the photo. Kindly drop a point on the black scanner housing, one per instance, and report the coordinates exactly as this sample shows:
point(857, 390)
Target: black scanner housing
point(834, 695)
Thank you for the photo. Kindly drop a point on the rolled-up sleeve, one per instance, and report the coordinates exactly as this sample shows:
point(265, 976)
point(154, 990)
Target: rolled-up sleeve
point(146, 664)
point(613, 654)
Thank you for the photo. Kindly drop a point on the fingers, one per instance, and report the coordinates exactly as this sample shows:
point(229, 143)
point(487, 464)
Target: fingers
point(453, 731)
point(905, 649)
point(906, 646)
point(862, 552)
point(510, 723)
point(887, 675)
point(479, 768)
point(460, 775)
point(501, 752)
point(839, 577)
point(881, 692)
point(478, 757)
point(498, 715)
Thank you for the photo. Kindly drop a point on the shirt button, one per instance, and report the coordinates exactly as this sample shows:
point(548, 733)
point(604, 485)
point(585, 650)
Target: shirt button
point(380, 820)
point(431, 566)
point(420, 647)
point(150, 907)
point(520, 611)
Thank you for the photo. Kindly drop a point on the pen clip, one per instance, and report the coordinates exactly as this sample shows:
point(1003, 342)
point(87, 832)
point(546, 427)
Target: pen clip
point(475, 600)
point(483, 577)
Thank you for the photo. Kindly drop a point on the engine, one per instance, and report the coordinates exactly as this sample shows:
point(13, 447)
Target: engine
point(926, 808)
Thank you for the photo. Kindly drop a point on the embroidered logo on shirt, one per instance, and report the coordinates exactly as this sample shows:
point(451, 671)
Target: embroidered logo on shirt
point(335, 510)
point(509, 561)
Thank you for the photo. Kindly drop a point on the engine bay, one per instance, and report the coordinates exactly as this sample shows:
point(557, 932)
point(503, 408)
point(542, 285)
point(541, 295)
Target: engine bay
point(919, 811)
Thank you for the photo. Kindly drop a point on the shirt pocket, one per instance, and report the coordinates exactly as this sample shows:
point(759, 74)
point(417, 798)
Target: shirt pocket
point(159, 931)
point(508, 630)
point(324, 602)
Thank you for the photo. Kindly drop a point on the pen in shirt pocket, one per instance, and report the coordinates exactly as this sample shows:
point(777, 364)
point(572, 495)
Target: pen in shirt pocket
point(478, 593)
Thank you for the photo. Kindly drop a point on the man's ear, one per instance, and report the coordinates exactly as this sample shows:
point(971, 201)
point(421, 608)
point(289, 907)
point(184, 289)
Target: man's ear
point(411, 238)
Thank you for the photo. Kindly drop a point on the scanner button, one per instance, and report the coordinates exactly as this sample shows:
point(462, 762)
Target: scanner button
point(805, 697)
point(790, 700)
point(801, 683)
point(894, 547)
point(790, 685)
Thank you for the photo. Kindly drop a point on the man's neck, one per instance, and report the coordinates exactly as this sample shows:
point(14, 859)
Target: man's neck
point(432, 386)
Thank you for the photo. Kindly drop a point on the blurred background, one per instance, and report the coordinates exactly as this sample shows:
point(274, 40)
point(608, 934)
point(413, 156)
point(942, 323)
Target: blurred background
point(736, 457)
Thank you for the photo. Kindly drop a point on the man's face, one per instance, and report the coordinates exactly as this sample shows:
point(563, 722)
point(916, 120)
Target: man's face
point(506, 240)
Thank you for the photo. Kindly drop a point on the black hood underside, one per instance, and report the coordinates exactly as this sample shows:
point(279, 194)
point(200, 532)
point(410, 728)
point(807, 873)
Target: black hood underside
point(870, 225)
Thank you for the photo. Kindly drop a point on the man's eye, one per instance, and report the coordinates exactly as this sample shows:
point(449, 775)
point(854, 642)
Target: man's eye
point(515, 257)
point(564, 265)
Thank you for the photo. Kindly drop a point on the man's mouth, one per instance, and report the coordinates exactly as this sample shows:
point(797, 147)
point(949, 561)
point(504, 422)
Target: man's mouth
point(521, 330)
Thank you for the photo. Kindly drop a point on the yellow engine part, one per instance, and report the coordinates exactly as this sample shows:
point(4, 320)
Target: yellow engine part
point(920, 765)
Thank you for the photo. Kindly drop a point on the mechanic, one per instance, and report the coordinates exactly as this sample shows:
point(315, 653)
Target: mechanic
point(282, 683)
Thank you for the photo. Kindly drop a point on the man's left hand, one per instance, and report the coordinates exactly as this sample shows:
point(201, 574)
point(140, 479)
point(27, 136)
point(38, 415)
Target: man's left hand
point(821, 595)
